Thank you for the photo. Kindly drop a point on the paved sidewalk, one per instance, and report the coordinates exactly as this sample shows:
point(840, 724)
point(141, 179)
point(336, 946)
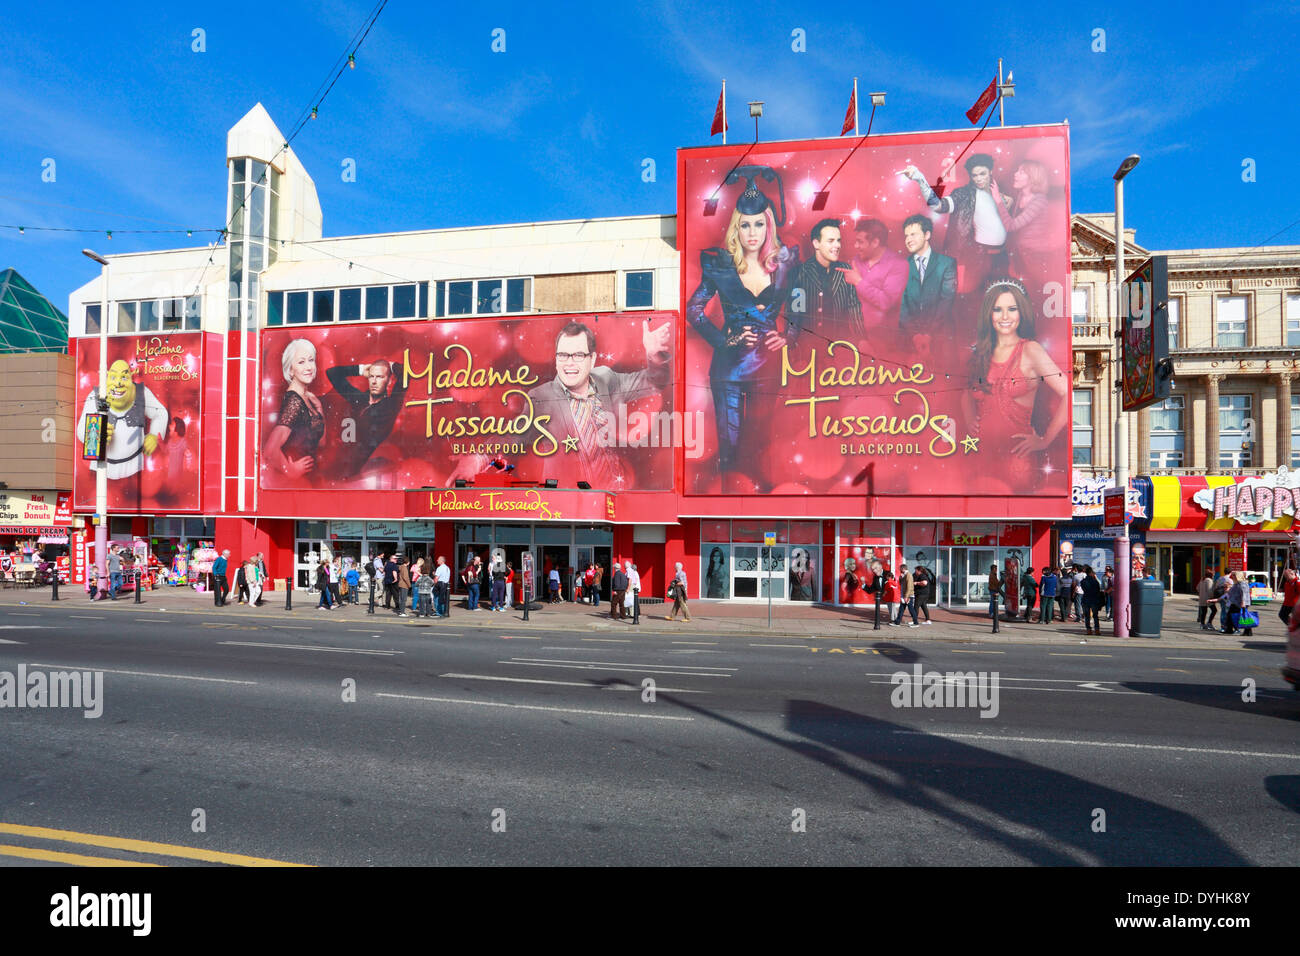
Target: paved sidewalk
point(710, 619)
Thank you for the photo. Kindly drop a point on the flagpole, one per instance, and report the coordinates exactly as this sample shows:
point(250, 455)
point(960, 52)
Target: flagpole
point(1001, 117)
point(855, 106)
point(724, 112)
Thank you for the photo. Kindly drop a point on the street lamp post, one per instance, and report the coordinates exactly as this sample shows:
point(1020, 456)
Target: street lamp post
point(1123, 564)
point(101, 467)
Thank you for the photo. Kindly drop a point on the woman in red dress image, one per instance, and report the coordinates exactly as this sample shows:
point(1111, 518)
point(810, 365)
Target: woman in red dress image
point(1007, 371)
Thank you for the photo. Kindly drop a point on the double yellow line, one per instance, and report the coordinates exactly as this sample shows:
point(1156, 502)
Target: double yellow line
point(117, 843)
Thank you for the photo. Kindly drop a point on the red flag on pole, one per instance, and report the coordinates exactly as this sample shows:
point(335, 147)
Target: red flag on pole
point(851, 114)
point(720, 115)
point(986, 99)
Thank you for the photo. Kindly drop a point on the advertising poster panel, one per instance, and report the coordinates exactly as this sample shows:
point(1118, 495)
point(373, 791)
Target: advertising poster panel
point(152, 436)
point(884, 321)
point(422, 404)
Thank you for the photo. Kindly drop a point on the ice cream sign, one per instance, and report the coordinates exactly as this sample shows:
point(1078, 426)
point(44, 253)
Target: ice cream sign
point(1254, 500)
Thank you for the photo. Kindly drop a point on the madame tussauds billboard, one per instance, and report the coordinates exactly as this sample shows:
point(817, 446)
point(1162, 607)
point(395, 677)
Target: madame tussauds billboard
point(407, 405)
point(904, 330)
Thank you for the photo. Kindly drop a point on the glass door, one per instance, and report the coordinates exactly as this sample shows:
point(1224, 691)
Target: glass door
point(957, 583)
point(744, 570)
point(978, 562)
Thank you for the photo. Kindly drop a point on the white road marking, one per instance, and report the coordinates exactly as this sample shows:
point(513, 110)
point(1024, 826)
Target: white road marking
point(311, 647)
point(211, 680)
point(779, 645)
point(608, 640)
point(85, 617)
point(23, 614)
point(16, 642)
point(1072, 654)
point(1215, 660)
point(699, 643)
point(1100, 743)
point(705, 667)
point(566, 683)
point(957, 651)
point(560, 710)
point(293, 627)
point(621, 670)
point(1081, 689)
point(1033, 680)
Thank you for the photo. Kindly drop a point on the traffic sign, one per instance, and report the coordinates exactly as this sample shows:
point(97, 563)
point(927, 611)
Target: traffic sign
point(769, 539)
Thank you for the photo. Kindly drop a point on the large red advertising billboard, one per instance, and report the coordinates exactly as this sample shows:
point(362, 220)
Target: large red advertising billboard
point(890, 320)
point(154, 422)
point(410, 405)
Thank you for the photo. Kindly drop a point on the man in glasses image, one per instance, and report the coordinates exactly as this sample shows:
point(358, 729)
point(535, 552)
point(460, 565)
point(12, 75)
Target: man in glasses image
point(584, 398)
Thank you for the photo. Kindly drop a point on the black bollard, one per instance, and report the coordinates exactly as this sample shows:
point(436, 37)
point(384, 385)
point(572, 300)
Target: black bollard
point(371, 609)
point(55, 585)
point(527, 601)
point(139, 585)
point(636, 606)
point(288, 594)
point(876, 627)
point(995, 615)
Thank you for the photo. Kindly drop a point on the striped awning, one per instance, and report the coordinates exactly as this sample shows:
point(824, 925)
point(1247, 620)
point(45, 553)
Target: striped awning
point(1173, 508)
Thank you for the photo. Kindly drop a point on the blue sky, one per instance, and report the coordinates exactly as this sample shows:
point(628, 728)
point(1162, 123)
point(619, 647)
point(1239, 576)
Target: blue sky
point(445, 132)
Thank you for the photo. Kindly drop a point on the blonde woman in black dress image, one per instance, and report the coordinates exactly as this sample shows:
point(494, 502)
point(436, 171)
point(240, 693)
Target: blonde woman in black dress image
point(293, 445)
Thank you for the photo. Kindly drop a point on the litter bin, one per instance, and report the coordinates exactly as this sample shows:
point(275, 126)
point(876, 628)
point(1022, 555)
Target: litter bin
point(1147, 599)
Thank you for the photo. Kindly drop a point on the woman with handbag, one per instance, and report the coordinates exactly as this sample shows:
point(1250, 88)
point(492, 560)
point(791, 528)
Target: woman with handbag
point(677, 591)
point(1239, 612)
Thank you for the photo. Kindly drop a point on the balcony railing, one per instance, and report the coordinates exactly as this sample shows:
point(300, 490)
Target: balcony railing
point(1089, 330)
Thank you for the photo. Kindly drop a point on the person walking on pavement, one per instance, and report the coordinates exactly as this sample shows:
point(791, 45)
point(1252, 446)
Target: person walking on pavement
point(219, 586)
point(241, 583)
point(115, 572)
point(1049, 583)
point(510, 585)
point(995, 591)
point(442, 587)
point(379, 575)
point(323, 586)
point(353, 577)
point(632, 597)
point(553, 584)
point(1239, 605)
point(619, 584)
point(923, 581)
point(677, 591)
point(1064, 591)
point(390, 581)
point(597, 575)
point(906, 595)
point(1108, 591)
point(1029, 592)
point(1290, 594)
point(403, 586)
point(498, 587)
point(1078, 592)
point(1206, 607)
point(1091, 600)
point(1222, 584)
point(260, 560)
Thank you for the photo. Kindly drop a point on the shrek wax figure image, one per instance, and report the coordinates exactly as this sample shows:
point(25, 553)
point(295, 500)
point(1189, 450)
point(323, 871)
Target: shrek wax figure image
point(136, 422)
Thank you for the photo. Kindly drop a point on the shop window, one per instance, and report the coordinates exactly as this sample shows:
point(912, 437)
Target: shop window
point(311, 529)
point(1167, 433)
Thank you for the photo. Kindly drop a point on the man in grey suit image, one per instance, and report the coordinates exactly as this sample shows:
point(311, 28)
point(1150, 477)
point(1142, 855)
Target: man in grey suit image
point(583, 400)
point(926, 309)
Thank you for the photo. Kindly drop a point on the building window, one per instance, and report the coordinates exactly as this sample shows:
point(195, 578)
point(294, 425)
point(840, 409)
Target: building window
point(125, 317)
point(1175, 321)
point(487, 297)
point(1083, 426)
point(193, 313)
point(1293, 320)
point(377, 302)
point(1080, 308)
point(322, 305)
point(460, 298)
point(1230, 322)
point(92, 319)
point(297, 311)
point(639, 291)
point(1295, 431)
point(404, 301)
point(1167, 433)
point(1236, 431)
point(275, 308)
point(349, 305)
point(173, 314)
point(481, 297)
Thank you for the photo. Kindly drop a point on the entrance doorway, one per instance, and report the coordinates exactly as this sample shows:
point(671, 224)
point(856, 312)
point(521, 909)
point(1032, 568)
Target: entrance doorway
point(1184, 571)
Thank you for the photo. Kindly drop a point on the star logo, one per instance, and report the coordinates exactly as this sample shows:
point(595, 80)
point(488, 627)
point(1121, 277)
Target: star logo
point(557, 514)
point(570, 443)
point(969, 444)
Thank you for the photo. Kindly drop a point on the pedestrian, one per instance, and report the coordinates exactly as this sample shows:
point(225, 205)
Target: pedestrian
point(390, 581)
point(588, 580)
point(1029, 592)
point(995, 591)
point(323, 585)
point(424, 590)
point(417, 572)
point(889, 591)
point(1064, 591)
point(353, 578)
point(1239, 612)
point(1108, 592)
point(241, 583)
point(253, 577)
point(219, 586)
point(1091, 600)
point(597, 577)
point(924, 581)
point(380, 574)
point(262, 578)
point(442, 583)
point(115, 572)
point(1048, 585)
point(1222, 584)
point(1078, 592)
point(619, 584)
point(1290, 594)
point(471, 578)
point(510, 584)
point(1206, 606)
point(906, 596)
point(403, 586)
point(335, 572)
point(498, 586)
point(633, 596)
point(677, 591)
point(553, 583)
